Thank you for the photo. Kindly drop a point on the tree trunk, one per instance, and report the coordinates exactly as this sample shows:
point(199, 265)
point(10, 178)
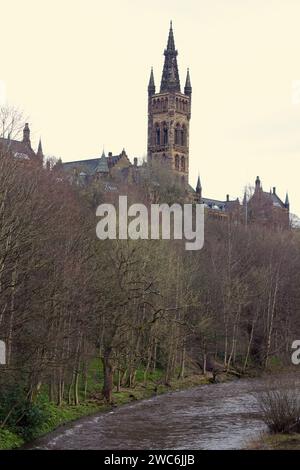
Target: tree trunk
point(108, 372)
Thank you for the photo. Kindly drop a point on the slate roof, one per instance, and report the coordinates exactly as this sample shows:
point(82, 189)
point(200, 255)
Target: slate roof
point(275, 199)
point(102, 166)
point(17, 148)
point(93, 165)
point(219, 205)
point(86, 166)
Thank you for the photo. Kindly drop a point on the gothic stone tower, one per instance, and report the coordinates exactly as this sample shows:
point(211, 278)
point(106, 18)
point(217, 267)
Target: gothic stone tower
point(169, 113)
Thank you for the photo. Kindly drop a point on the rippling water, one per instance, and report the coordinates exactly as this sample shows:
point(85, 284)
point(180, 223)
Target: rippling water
point(222, 416)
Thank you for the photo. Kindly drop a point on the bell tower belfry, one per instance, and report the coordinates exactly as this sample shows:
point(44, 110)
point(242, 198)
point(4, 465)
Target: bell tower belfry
point(169, 113)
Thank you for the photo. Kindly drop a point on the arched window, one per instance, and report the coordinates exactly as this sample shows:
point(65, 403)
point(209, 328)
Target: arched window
point(177, 162)
point(177, 134)
point(157, 134)
point(176, 104)
point(183, 136)
point(182, 163)
point(165, 133)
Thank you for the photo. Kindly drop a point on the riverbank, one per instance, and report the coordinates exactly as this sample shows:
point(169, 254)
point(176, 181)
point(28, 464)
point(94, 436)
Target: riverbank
point(220, 416)
point(61, 415)
point(276, 442)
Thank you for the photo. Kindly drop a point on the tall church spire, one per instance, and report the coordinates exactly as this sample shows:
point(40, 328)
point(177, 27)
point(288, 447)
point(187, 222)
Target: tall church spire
point(171, 42)
point(169, 113)
point(170, 76)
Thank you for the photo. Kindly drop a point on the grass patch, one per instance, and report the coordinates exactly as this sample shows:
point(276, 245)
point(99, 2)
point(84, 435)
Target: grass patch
point(55, 416)
point(9, 440)
point(277, 442)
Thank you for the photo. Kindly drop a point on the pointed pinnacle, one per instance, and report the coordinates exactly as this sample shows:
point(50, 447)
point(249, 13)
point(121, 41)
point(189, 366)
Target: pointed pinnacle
point(188, 79)
point(188, 86)
point(151, 80)
point(40, 148)
point(171, 42)
point(287, 202)
point(198, 183)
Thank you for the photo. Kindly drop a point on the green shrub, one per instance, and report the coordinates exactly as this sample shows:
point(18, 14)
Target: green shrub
point(21, 416)
point(9, 440)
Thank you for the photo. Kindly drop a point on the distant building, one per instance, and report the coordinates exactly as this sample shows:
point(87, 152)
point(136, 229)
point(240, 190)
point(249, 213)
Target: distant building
point(116, 168)
point(266, 208)
point(21, 149)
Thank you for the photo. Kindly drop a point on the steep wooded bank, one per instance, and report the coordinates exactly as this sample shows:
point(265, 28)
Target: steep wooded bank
point(142, 307)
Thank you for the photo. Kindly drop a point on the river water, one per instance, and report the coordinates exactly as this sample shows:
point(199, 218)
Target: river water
point(221, 416)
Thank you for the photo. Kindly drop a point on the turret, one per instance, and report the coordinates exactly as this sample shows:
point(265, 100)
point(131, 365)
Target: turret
point(39, 152)
point(257, 184)
point(199, 188)
point(26, 134)
point(188, 86)
point(287, 201)
point(151, 86)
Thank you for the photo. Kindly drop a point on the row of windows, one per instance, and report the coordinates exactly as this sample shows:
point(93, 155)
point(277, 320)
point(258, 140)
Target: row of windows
point(161, 134)
point(180, 135)
point(161, 104)
point(181, 105)
point(180, 164)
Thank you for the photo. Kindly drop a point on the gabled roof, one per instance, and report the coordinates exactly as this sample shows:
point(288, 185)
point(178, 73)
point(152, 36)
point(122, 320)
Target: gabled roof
point(87, 166)
point(214, 203)
point(17, 148)
point(217, 205)
point(95, 165)
point(275, 199)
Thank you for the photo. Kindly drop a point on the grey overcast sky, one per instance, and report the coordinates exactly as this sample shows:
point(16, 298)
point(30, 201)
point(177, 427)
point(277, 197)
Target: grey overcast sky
point(80, 68)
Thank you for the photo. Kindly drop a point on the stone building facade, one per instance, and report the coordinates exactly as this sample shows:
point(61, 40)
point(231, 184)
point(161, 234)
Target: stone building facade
point(169, 113)
point(266, 208)
point(22, 149)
